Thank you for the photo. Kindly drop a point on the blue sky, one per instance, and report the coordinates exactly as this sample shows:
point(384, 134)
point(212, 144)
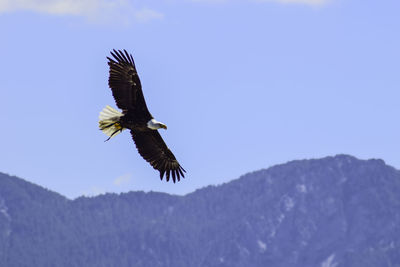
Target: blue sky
point(242, 85)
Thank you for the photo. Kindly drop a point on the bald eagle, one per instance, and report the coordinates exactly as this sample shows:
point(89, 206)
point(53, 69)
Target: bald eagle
point(127, 91)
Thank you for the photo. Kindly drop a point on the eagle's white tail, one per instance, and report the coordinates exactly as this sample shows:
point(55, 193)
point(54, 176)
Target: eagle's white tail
point(109, 121)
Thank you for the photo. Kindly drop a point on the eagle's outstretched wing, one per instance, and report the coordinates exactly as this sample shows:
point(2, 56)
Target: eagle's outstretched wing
point(153, 149)
point(125, 84)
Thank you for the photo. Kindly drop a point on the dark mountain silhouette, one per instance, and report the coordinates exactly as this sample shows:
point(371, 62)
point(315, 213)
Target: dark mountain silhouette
point(330, 212)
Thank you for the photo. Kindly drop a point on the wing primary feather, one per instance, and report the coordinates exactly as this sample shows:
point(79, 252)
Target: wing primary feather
point(182, 168)
point(114, 54)
point(167, 175)
point(180, 171)
point(128, 57)
point(133, 62)
point(162, 174)
point(123, 56)
point(173, 175)
point(117, 56)
point(111, 60)
point(165, 165)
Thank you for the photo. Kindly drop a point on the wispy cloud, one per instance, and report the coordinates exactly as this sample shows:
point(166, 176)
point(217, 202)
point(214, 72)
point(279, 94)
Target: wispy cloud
point(123, 179)
point(93, 191)
point(105, 11)
point(304, 2)
point(147, 14)
point(94, 10)
point(96, 190)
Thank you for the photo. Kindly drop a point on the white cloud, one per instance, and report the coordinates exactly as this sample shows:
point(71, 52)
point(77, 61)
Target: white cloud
point(303, 2)
point(262, 246)
point(105, 11)
point(123, 179)
point(306, 2)
point(329, 261)
point(94, 10)
point(93, 191)
point(210, 1)
point(147, 14)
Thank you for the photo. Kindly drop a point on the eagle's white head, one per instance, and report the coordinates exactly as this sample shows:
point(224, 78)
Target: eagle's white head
point(155, 125)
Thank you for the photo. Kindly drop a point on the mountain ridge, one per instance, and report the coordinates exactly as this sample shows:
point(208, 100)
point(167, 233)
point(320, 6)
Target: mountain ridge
point(334, 211)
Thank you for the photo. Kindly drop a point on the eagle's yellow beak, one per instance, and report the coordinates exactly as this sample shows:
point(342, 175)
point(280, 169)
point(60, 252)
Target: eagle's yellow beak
point(164, 126)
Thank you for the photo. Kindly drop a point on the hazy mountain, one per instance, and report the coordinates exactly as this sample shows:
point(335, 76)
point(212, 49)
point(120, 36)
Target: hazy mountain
point(330, 212)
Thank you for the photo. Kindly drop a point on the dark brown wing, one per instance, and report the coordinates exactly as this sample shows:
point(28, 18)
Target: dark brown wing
point(125, 84)
point(153, 149)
